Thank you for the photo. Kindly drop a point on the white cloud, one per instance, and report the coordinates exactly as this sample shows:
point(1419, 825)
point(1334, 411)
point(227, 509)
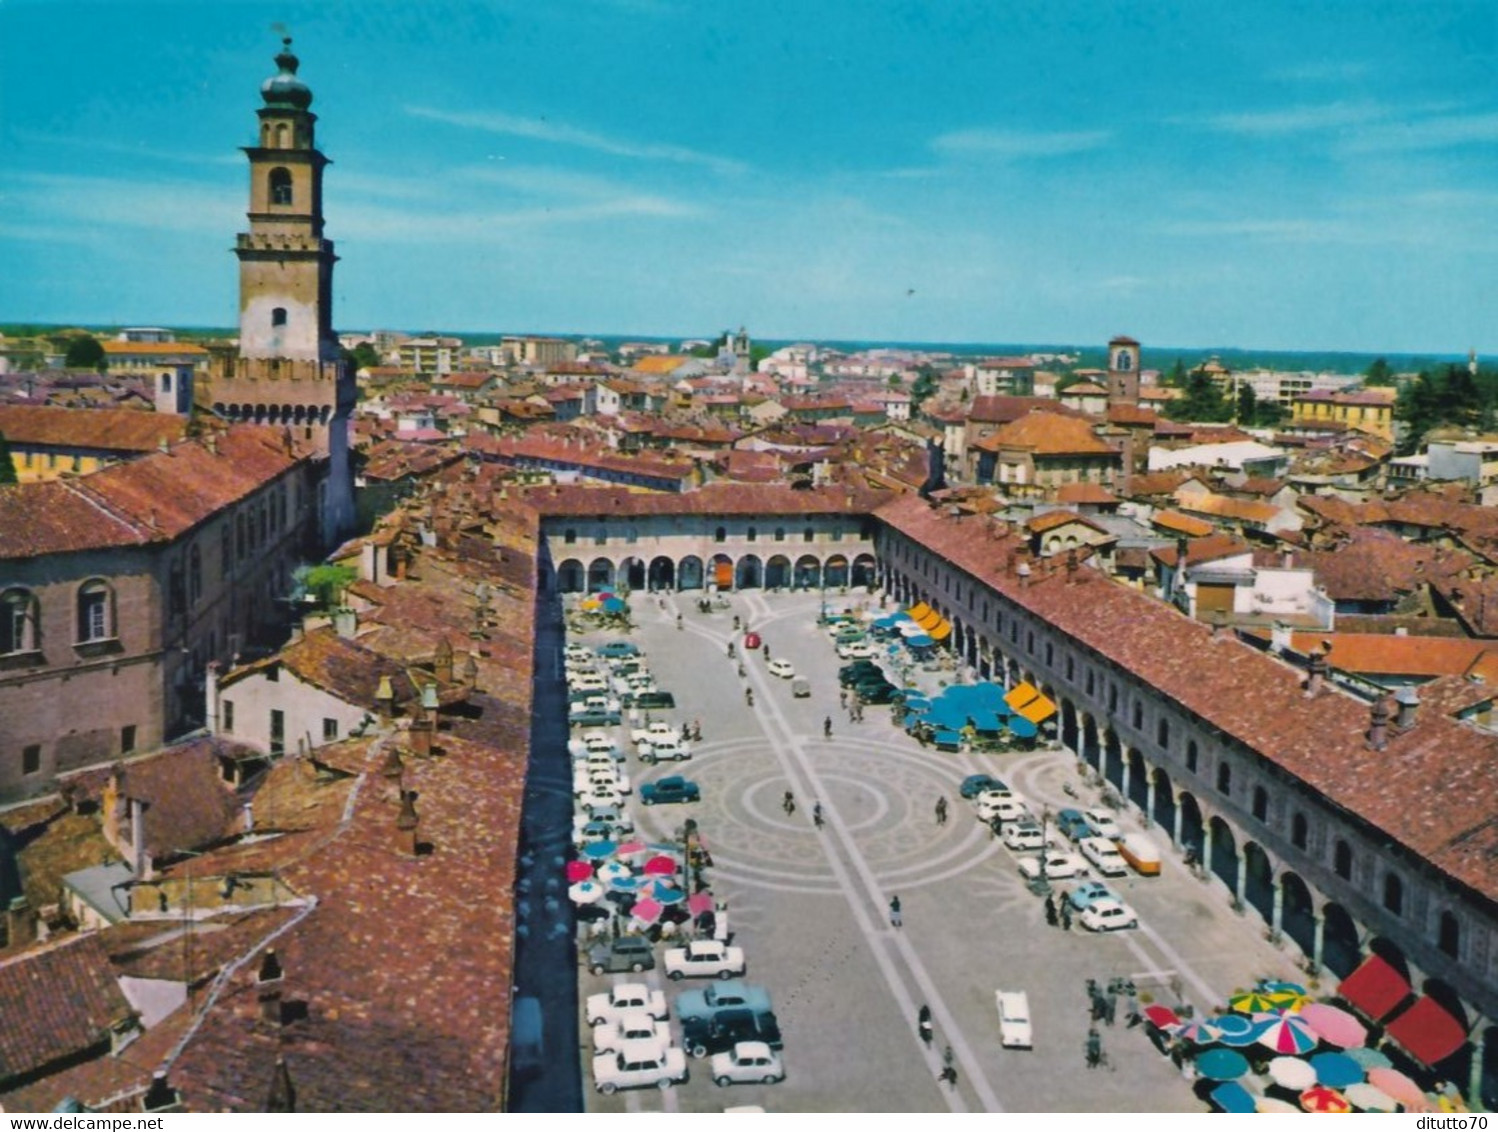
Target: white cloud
point(1295, 119)
point(539, 129)
point(1016, 143)
point(176, 206)
point(1441, 132)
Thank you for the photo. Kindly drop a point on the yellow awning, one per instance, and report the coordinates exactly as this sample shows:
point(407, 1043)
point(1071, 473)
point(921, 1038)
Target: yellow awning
point(930, 621)
point(1021, 693)
point(1025, 699)
point(916, 612)
point(942, 631)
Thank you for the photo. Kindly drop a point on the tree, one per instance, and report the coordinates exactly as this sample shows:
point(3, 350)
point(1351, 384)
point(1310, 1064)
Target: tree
point(1178, 374)
point(364, 355)
point(84, 353)
point(1379, 372)
point(7, 465)
point(1248, 404)
point(1204, 401)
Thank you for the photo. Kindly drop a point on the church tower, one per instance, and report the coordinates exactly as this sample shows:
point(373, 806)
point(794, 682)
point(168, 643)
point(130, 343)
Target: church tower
point(1123, 371)
point(289, 370)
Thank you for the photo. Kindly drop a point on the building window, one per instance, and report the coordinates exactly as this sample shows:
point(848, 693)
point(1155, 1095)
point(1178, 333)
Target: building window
point(1299, 831)
point(225, 550)
point(779, 534)
point(226, 716)
point(1071, 668)
point(127, 738)
point(1261, 804)
point(1449, 937)
point(194, 575)
point(1192, 755)
point(278, 316)
point(720, 535)
point(751, 534)
point(1162, 733)
point(569, 536)
point(329, 730)
point(280, 186)
point(273, 674)
point(810, 534)
point(601, 538)
point(1090, 682)
point(18, 621)
point(176, 589)
point(1394, 894)
point(31, 759)
point(632, 534)
point(1112, 697)
point(1342, 859)
point(1050, 653)
point(277, 731)
point(1138, 716)
point(95, 611)
point(1030, 641)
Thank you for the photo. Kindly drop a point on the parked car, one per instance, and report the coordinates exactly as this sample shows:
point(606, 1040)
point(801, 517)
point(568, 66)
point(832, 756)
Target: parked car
point(622, 998)
point(1140, 852)
point(1108, 916)
point(636, 1026)
point(857, 650)
point(879, 693)
point(597, 796)
point(1014, 1019)
point(975, 784)
point(1024, 835)
point(705, 958)
point(717, 1032)
point(1103, 855)
point(1058, 865)
point(801, 688)
point(616, 818)
point(663, 750)
point(1073, 824)
point(653, 701)
point(721, 996)
point(671, 789)
point(627, 953)
point(639, 1065)
point(595, 719)
point(747, 1062)
point(995, 809)
point(782, 668)
point(1103, 823)
point(859, 669)
point(618, 648)
point(1089, 892)
point(587, 776)
point(658, 729)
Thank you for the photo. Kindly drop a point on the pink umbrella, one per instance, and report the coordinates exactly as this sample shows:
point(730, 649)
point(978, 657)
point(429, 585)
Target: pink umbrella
point(578, 870)
point(630, 849)
point(647, 911)
point(1336, 1026)
point(702, 902)
point(660, 867)
point(1395, 1084)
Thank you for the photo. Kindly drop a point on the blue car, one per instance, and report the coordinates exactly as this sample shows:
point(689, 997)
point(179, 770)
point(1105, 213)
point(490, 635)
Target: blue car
point(672, 788)
point(1089, 892)
point(975, 784)
point(1073, 823)
point(618, 648)
point(730, 994)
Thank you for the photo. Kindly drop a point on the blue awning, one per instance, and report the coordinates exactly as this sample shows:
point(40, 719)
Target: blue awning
point(1022, 728)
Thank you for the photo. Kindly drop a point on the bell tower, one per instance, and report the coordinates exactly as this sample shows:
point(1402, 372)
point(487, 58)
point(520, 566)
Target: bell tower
point(1123, 371)
point(289, 370)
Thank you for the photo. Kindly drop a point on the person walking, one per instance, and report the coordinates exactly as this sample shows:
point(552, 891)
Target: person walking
point(827, 728)
point(923, 1025)
point(1065, 914)
point(948, 1058)
point(1050, 910)
point(842, 697)
point(949, 1075)
point(895, 918)
point(788, 803)
point(1094, 1048)
point(941, 810)
point(816, 814)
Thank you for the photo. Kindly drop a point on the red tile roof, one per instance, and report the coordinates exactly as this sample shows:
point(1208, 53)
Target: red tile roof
point(1047, 433)
point(103, 430)
point(57, 1003)
point(1002, 410)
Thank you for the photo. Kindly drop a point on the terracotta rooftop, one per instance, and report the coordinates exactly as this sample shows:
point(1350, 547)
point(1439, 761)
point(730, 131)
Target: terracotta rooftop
point(57, 1003)
point(1077, 494)
point(710, 499)
point(1226, 507)
point(1177, 523)
point(1050, 520)
point(1209, 549)
point(101, 430)
point(1387, 654)
point(1046, 433)
point(993, 409)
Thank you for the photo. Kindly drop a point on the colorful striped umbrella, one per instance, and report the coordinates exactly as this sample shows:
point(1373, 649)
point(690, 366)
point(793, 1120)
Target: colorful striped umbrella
point(1234, 1029)
point(1199, 1031)
point(1288, 999)
point(1252, 1002)
point(1287, 1033)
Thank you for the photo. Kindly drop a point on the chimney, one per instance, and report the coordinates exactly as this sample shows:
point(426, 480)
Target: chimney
point(140, 861)
point(210, 442)
point(160, 1097)
point(406, 822)
point(1408, 701)
point(1315, 672)
point(1378, 731)
point(444, 664)
point(345, 623)
point(471, 673)
point(282, 1094)
point(1279, 637)
point(385, 698)
point(20, 922)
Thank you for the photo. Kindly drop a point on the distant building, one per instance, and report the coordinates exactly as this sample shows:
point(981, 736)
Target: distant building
point(1123, 371)
point(533, 351)
point(1367, 410)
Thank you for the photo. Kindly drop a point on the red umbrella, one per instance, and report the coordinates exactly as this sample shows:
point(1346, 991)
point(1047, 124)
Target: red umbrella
point(661, 866)
point(1162, 1016)
point(578, 870)
point(1321, 1099)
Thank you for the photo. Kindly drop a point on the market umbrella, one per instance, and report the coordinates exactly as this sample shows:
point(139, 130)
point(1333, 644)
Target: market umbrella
point(701, 902)
point(614, 605)
point(1336, 1070)
point(1289, 999)
point(1234, 1029)
point(598, 850)
point(1231, 1096)
point(586, 892)
point(1370, 1098)
point(1400, 1087)
point(630, 849)
point(1286, 1033)
point(1335, 1026)
point(578, 870)
point(1292, 1073)
point(1162, 1016)
point(1199, 1031)
point(668, 895)
point(1278, 986)
point(611, 871)
point(1369, 1058)
point(1251, 1002)
point(625, 883)
point(646, 910)
point(1274, 1104)
point(1318, 1098)
point(1222, 1064)
point(661, 866)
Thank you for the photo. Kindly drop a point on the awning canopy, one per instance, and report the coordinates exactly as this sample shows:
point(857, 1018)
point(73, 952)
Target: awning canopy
point(1428, 1032)
point(1375, 988)
point(941, 631)
point(929, 621)
point(916, 612)
point(1026, 699)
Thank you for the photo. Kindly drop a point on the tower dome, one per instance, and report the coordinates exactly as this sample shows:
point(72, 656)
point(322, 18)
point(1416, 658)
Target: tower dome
point(284, 88)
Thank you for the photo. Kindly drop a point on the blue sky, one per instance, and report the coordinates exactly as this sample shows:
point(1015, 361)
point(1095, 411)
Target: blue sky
point(1311, 175)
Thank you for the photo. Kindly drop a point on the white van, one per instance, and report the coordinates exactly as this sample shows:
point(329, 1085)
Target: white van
point(1141, 853)
point(1014, 1019)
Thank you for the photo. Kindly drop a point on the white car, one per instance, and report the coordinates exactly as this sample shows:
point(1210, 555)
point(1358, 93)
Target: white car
point(594, 743)
point(705, 958)
point(1003, 810)
point(657, 730)
point(857, 650)
point(1108, 916)
point(1014, 1019)
point(590, 775)
point(782, 668)
point(748, 1063)
point(598, 795)
point(577, 653)
point(1103, 855)
point(1024, 836)
point(1058, 866)
point(634, 1026)
point(664, 750)
point(588, 682)
point(624, 998)
point(1103, 822)
point(639, 1065)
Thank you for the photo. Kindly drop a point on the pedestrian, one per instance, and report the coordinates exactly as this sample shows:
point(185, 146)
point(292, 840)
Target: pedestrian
point(816, 814)
point(678, 620)
point(948, 1058)
point(941, 810)
point(827, 728)
point(788, 803)
point(1065, 914)
point(895, 920)
point(1050, 910)
point(842, 697)
point(923, 1025)
point(949, 1075)
point(1094, 1049)
point(766, 648)
point(1110, 1007)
